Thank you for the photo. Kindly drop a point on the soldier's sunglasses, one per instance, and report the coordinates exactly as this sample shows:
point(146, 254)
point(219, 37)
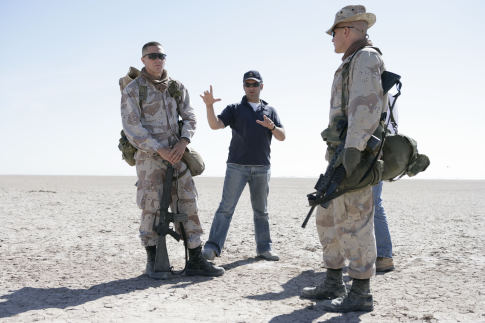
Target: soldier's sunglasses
point(333, 31)
point(155, 56)
point(255, 84)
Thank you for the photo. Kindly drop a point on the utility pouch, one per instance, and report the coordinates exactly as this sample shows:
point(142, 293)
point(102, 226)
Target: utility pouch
point(192, 158)
point(336, 132)
point(127, 150)
point(194, 161)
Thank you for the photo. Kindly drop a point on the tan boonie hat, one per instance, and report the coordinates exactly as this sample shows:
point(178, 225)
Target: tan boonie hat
point(353, 13)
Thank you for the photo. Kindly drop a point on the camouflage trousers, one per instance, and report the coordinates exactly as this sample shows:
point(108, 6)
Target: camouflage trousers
point(151, 174)
point(346, 232)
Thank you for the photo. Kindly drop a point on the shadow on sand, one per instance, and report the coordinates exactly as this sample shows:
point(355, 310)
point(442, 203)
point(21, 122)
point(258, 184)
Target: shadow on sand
point(29, 298)
point(294, 286)
point(241, 262)
point(310, 313)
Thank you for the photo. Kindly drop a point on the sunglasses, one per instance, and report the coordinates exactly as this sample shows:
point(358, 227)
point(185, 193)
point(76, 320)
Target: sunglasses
point(333, 31)
point(255, 84)
point(156, 56)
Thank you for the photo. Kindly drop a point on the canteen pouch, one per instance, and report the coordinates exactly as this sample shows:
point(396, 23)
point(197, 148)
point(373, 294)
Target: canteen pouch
point(127, 149)
point(194, 161)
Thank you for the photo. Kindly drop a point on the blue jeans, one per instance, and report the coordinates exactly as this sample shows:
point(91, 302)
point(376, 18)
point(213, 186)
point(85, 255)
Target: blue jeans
point(236, 178)
point(383, 237)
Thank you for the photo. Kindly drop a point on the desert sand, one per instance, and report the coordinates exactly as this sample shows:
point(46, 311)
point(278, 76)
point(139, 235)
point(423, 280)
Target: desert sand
point(69, 251)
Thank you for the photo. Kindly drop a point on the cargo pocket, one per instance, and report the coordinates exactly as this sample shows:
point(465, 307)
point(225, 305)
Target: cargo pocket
point(147, 200)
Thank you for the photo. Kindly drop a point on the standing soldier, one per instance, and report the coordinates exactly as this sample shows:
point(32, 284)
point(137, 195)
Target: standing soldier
point(150, 121)
point(346, 227)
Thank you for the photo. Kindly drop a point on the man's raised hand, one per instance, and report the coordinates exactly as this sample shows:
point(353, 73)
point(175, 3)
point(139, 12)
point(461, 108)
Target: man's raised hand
point(208, 97)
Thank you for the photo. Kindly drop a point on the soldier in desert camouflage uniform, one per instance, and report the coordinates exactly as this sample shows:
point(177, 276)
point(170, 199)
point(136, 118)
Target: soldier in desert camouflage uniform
point(153, 129)
point(346, 227)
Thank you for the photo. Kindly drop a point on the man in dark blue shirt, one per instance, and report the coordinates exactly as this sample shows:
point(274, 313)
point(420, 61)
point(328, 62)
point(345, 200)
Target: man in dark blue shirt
point(253, 123)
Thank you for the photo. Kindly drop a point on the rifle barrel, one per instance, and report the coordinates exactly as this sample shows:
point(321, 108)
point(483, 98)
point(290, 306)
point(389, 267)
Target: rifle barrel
point(308, 216)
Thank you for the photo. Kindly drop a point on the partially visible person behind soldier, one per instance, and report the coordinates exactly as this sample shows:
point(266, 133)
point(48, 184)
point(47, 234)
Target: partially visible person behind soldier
point(254, 123)
point(384, 261)
point(346, 227)
point(153, 129)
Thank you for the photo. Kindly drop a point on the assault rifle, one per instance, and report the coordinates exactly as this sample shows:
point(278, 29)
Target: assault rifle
point(327, 184)
point(162, 263)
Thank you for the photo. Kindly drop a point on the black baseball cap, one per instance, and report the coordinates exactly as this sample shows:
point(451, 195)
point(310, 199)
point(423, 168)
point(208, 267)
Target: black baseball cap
point(253, 75)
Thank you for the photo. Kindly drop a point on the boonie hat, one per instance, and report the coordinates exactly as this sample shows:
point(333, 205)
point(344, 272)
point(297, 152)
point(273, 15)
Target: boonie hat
point(253, 75)
point(353, 13)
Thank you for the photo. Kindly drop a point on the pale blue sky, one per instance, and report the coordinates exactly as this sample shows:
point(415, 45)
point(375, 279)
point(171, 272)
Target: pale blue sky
point(61, 61)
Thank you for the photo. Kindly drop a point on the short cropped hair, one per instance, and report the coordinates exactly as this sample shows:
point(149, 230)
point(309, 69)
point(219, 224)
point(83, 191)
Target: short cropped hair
point(360, 26)
point(152, 43)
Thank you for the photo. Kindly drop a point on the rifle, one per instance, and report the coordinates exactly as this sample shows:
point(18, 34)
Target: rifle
point(162, 263)
point(327, 184)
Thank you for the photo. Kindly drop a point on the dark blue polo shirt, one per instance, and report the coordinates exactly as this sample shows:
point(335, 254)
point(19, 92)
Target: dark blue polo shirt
point(250, 144)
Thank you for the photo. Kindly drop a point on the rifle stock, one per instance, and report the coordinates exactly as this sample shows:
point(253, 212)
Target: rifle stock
point(162, 263)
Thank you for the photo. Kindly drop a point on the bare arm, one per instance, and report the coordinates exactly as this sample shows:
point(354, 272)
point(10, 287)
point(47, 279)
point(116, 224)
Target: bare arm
point(209, 100)
point(278, 132)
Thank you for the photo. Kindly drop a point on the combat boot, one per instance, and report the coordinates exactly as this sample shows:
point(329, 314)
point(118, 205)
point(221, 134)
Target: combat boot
point(332, 287)
point(149, 269)
point(359, 299)
point(199, 266)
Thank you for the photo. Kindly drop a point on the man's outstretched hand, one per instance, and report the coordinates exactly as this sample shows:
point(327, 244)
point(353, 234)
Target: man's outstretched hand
point(208, 97)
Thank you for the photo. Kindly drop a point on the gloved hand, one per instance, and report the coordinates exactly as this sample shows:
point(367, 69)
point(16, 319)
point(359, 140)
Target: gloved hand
point(351, 159)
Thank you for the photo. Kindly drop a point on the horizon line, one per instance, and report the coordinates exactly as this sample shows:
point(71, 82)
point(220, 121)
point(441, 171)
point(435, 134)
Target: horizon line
point(212, 176)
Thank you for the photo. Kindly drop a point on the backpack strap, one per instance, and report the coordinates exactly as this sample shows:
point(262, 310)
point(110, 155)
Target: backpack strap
point(142, 95)
point(388, 80)
point(175, 92)
point(346, 73)
point(392, 120)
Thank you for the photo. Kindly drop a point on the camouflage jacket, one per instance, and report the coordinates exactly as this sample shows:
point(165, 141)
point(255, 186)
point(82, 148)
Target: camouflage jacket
point(155, 124)
point(364, 96)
